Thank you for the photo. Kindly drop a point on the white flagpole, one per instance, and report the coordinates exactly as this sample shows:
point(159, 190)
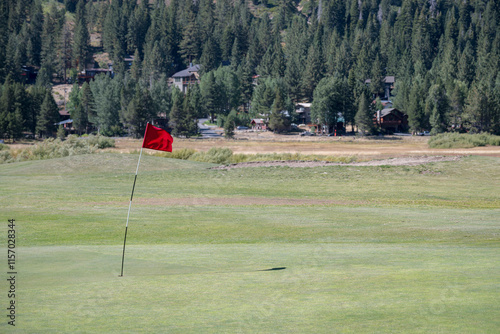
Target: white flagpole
point(128, 215)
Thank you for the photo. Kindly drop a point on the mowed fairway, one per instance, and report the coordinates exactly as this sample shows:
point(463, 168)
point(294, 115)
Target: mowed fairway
point(356, 249)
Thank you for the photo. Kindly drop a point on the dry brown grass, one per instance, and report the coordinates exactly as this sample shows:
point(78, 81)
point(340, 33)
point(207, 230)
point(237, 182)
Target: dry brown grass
point(365, 149)
point(266, 142)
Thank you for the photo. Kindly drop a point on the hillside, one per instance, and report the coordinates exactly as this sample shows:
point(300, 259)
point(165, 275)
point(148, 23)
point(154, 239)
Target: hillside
point(435, 61)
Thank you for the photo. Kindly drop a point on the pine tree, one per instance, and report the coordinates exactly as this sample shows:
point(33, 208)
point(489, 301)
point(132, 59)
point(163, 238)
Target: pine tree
point(81, 39)
point(246, 83)
point(137, 28)
point(313, 72)
point(52, 26)
point(211, 56)
point(190, 125)
point(449, 64)
point(293, 76)
point(136, 68)
point(415, 106)
point(66, 53)
point(36, 94)
point(230, 124)
point(495, 107)
point(13, 59)
point(421, 48)
point(139, 112)
point(80, 119)
point(206, 20)
point(61, 133)
point(11, 120)
point(74, 99)
point(278, 65)
point(364, 116)
point(4, 33)
point(211, 93)
point(403, 26)
point(466, 65)
point(49, 115)
point(477, 109)
point(437, 105)
point(176, 119)
point(279, 120)
point(196, 102)
point(112, 33)
point(190, 45)
point(87, 103)
point(376, 77)
point(457, 102)
point(152, 63)
point(162, 98)
point(227, 42)
point(106, 94)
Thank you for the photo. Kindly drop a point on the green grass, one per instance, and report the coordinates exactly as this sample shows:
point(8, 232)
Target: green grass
point(366, 249)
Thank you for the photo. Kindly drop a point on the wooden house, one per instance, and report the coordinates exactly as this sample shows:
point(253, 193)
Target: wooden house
point(303, 111)
point(388, 83)
point(185, 78)
point(258, 124)
point(392, 120)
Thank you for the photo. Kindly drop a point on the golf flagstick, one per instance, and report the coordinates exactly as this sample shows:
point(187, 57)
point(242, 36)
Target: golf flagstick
point(128, 215)
point(155, 139)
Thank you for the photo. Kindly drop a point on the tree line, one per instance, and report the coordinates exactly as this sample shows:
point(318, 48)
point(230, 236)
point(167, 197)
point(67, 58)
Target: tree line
point(445, 56)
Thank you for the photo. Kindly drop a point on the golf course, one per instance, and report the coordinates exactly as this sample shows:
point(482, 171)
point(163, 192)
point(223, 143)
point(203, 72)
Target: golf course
point(338, 248)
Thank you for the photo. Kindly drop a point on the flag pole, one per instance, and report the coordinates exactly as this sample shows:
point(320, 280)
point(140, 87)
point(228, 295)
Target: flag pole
point(128, 214)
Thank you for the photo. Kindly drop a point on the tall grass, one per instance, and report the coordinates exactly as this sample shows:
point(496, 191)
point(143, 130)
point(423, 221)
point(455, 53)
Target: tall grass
point(237, 158)
point(463, 140)
point(226, 156)
point(214, 155)
point(55, 148)
point(101, 141)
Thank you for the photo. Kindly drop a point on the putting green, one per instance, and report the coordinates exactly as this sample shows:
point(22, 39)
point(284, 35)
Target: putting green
point(360, 249)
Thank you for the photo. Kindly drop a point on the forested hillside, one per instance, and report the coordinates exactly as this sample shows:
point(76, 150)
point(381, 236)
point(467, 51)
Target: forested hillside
point(444, 55)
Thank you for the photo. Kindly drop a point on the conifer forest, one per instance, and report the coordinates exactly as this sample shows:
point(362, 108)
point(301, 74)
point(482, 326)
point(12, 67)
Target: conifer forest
point(254, 59)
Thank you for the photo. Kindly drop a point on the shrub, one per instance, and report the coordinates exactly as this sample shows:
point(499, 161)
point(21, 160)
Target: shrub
point(61, 133)
point(214, 155)
point(226, 156)
point(55, 148)
point(463, 140)
point(237, 158)
point(3, 147)
point(182, 154)
point(5, 156)
point(101, 141)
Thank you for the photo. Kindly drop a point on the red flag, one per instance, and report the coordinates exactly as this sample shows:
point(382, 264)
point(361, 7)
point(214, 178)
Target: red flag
point(157, 139)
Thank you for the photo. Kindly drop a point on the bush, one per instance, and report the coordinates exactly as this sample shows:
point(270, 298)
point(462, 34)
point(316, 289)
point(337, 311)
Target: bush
point(463, 140)
point(3, 147)
point(55, 148)
point(226, 156)
point(182, 154)
point(5, 157)
point(101, 141)
point(237, 158)
point(214, 155)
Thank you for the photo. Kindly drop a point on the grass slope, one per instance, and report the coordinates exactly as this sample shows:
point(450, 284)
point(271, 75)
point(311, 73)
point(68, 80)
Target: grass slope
point(394, 249)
